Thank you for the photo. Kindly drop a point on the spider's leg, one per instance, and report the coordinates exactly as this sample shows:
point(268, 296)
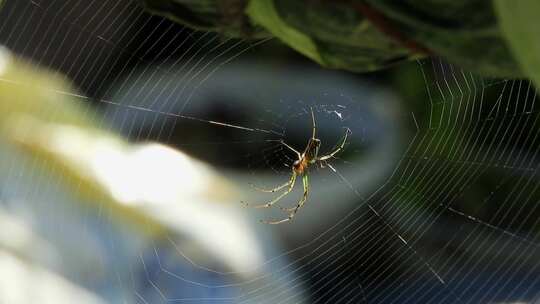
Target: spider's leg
point(305, 181)
point(338, 149)
point(292, 149)
point(313, 123)
point(273, 189)
point(270, 203)
point(293, 211)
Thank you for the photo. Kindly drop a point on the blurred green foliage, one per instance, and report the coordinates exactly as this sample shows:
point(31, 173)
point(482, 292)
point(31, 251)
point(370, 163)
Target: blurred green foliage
point(331, 34)
point(465, 32)
point(520, 25)
point(363, 35)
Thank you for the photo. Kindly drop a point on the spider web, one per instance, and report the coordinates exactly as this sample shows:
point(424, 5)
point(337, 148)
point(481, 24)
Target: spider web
point(433, 203)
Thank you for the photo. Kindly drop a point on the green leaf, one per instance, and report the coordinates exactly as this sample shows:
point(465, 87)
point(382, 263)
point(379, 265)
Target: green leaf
point(464, 32)
point(365, 35)
point(330, 33)
point(224, 16)
point(520, 26)
point(264, 13)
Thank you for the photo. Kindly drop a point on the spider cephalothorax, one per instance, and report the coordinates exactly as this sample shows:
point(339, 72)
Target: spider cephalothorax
point(301, 166)
point(309, 156)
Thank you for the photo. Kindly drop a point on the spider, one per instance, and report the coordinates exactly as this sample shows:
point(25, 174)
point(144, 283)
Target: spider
point(301, 166)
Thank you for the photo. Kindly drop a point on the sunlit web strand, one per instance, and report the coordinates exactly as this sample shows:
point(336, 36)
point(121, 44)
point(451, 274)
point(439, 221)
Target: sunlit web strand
point(218, 123)
point(355, 220)
point(359, 228)
point(83, 29)
point(220, 65)
point(435, 142)
point(158, 67)
point(348, 183)
point(440, 172)
point(431, 120)
point(332, 251)
point(170, 81)
point(487, 224)
point(211, 73)
point(506, 114)
point(321, 253)
point(168, 71)
point(392, 253)
point(468, 100)
point(477, 220)
point(183, 116)
point(168, 113)
point(339, 222)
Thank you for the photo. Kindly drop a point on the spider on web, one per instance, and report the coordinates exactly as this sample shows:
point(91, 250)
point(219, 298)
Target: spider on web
point(301, 166)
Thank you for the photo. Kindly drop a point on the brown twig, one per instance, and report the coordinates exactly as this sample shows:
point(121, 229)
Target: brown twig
point(386, 26)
